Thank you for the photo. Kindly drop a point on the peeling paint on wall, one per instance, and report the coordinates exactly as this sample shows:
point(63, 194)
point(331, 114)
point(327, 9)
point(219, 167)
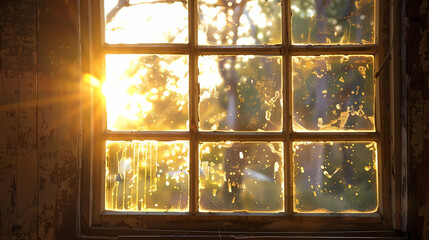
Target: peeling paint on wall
point(38, 121)
point(18, 145)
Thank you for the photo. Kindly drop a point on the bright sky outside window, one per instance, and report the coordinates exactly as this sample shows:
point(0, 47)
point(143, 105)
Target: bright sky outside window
point(146, 92)
point(150, 93)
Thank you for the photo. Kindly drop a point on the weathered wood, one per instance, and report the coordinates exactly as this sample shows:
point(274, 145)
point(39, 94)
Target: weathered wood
point(26, 182)
point(243, 136)
point(235, 236)
point(122, 224)
point(194, 93)
point(147, 49)
point(241, 50)
point(383, 122)
point(18, 143)
point(58, 119)
point(9, 122)
point(288, 108)
point(416, 72)
point(404, 124)
point(309, 50)
point(150, 135)
point(83, 218)
point(395, 113)
point(335, 136)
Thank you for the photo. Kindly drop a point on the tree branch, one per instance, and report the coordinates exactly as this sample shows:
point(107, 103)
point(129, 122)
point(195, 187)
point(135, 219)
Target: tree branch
point(115, 10)
point(126, 3)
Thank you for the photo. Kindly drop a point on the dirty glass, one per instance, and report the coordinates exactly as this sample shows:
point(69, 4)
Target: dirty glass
point(239, 22)
point(339, 177)
point(241, 177)
point(145, 21)
point(333, 22)
point(241, 93)
point(146, 92)
point(147, 176)
point(333, 93)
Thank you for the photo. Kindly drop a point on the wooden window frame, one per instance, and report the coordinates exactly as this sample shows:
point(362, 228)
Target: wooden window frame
point(94, 221)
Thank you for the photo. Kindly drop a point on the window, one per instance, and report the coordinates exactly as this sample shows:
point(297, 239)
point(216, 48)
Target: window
point(214, 111)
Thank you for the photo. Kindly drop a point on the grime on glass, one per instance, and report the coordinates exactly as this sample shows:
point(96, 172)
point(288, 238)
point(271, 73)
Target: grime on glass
point(202, 96)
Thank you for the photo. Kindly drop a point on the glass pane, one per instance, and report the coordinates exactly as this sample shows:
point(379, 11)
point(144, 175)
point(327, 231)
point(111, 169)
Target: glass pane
point(335, 177)
point(146, 92)
point(239, 22)
point(236, 176)
point(148, 21)
point(147, 176)
point(241, 93)
point(332, 22)
point(333, 93)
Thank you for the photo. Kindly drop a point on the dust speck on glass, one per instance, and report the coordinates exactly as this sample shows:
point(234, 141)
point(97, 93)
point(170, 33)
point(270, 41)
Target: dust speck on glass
point(240, 94)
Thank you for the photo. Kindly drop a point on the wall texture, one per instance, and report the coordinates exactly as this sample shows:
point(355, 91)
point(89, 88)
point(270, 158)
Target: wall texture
point(416, 84)
point(40, 118)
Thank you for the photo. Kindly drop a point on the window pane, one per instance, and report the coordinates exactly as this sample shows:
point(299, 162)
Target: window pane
point(148, 21)
point(332, 22)
point(333, 93)
point(146, 92)
point(240, 22)
point(236, 176)
point(335, 177)
point(241, 93)
point(147, 175)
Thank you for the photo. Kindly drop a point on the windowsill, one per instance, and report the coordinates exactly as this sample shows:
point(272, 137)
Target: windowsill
point(376, 235)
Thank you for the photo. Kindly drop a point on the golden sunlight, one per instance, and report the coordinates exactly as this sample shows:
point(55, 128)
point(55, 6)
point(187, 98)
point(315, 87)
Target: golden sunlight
point(146, 92)
point(247, 22)
point(147, 21)
point(91, 80)
point(147, 176)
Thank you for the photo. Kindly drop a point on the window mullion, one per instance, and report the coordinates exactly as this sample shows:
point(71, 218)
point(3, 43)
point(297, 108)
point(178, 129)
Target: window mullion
point(241, 50)
point(151, 135)
point(287, 110)
point(193, 106)
point(146, 49)
point(241, 136)
point(310, 50)
point(335, 136)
